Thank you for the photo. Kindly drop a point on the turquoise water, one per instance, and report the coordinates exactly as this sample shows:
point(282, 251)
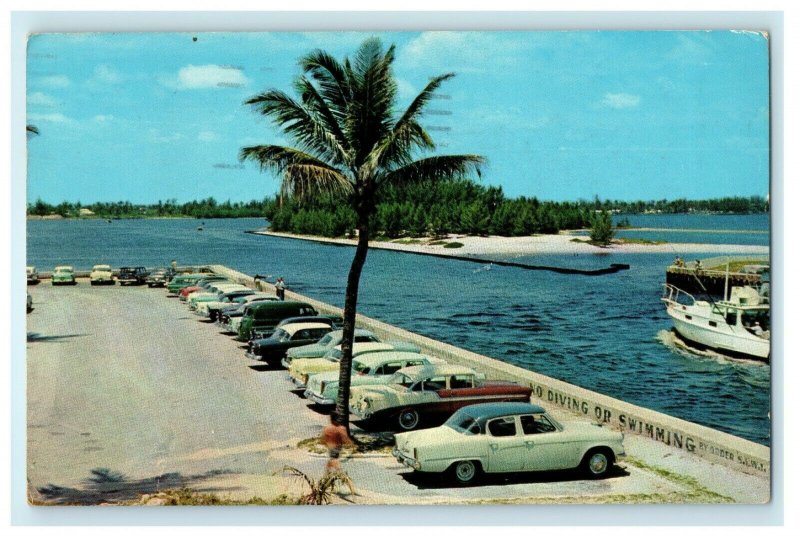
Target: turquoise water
point(609, 334)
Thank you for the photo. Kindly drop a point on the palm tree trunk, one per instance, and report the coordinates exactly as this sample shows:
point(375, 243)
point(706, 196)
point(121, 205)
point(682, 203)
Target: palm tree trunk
point(349, 326)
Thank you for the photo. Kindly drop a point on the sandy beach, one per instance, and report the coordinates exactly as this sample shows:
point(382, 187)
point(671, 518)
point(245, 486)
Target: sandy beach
point(563, 243)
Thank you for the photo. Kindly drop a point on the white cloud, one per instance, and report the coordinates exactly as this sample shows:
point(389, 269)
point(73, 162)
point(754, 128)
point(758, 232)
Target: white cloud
point(207, 76)
point(207, 136)
point(102, 118)
point(464, 51)
point(38, 98)
point(154, 136)
point(53, 81)
point(621, 100)
point(51, 118)
point(105, 74)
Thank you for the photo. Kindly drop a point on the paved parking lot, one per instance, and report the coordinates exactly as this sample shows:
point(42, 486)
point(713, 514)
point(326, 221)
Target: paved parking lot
point(129, 393)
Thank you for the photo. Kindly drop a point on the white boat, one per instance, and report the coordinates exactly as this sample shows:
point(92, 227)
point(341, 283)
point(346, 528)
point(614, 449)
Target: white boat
point(738, 325)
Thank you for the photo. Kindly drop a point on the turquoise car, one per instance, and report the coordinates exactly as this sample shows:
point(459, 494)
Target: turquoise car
point(63, 275)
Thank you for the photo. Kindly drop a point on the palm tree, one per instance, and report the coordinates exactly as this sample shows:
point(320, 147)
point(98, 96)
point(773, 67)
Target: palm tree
point(351, 142)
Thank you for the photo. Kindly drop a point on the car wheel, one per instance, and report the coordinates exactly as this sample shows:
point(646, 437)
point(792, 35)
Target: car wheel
point(465, 472)
point(597, 463)
point(408, 419)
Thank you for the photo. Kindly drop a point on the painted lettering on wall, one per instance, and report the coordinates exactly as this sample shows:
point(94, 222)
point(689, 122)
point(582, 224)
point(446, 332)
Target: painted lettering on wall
point(633, 424)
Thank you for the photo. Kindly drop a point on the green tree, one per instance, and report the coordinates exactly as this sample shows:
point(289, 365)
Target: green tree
point(602, 230)
point(350, 141)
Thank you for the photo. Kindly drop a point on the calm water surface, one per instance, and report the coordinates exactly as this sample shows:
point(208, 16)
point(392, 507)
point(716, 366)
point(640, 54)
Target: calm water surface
point(609, 334)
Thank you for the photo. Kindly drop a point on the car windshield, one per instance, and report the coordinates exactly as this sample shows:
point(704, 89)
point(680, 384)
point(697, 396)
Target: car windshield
point(281, 335)
point(400, 379)
point(464, 424)
point(360, 369)
point(102, 267)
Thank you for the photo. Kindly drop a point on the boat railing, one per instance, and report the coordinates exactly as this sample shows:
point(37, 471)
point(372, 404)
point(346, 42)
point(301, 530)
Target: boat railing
point(675, 295)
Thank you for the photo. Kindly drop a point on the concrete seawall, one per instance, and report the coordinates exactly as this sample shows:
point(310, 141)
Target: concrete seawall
point(698, 440)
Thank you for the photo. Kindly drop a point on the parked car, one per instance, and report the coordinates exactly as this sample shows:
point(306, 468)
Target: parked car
point(287, 336)
point(302, 368)
point(368, 369)
point(132, 275)
point(32, 275)
point(29, 304)
point(330, 320)
point(63, 275)
point(203, 307)
point(266, 315)
point(159, 277)
point(214, 293)
point(508, 437)
point(201, 286)
point(101, 275)
point(237, 307)
point(425, 396)
point(183, 280)
point(320, 348)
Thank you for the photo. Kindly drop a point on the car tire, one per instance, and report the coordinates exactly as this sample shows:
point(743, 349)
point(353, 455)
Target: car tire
point(597, 463)
point(408, 419)
point(465, 472)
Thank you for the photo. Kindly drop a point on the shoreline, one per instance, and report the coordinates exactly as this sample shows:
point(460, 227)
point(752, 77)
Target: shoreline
point(531, 245)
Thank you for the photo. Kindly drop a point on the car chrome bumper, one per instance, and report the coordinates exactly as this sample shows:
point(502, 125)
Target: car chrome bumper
point(253, 356)
point(298, 382)
point(318, 399)
point(401, 457)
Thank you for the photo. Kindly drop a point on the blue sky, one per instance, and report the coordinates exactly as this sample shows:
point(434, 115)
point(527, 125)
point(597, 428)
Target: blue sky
point(558, 115)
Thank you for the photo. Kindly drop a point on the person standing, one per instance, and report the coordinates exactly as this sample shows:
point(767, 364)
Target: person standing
point(280, 288)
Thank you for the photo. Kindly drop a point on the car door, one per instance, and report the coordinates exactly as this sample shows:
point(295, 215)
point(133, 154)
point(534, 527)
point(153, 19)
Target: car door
point(544, 445)
point(507, 448)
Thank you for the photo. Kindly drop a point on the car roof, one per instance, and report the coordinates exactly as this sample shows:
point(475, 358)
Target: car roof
point(378, 358)
point(63, 267)
point(487, 411)
point(419, 372)
point(294, 327)
point(369, 346)
point(358, 332)
point(102, 266)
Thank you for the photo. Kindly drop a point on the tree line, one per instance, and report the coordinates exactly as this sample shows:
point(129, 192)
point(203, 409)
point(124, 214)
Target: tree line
point(416, 209)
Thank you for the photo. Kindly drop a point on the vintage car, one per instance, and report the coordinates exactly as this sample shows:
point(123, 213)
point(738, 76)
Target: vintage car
point(132, 275)
point(101, 275)
point(428, 395)
point(202, 307)
point(508, 437)
point(215, 293)
point(32, 275)
point(181, 281)
point(320, 348)
point(236, 308)
point(63, 275)
point(267, 315)
point(201, 286)
point(330, 320)
point(273, 348)
point(301, 369)
point(159, 277)
point(368, 369)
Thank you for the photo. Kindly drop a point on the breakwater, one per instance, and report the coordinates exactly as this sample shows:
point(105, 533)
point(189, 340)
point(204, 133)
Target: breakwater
point(697, 440)
point(611, 269)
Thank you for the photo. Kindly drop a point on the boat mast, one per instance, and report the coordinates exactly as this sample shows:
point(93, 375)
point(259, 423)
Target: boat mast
point(727, 266)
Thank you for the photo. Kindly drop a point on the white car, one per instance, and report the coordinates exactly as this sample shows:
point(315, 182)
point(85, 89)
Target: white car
point(508, 437)
point(101, 275)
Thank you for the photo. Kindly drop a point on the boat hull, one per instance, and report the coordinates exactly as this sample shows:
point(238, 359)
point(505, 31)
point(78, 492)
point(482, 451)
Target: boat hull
point(723, 338)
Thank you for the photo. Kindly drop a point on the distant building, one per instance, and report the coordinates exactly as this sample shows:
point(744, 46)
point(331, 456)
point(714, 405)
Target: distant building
point(85, 212)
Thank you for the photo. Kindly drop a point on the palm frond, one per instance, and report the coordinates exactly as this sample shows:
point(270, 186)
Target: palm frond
point(435, 169)
point(333, 79)
point(302, 125)
point(315, 102)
